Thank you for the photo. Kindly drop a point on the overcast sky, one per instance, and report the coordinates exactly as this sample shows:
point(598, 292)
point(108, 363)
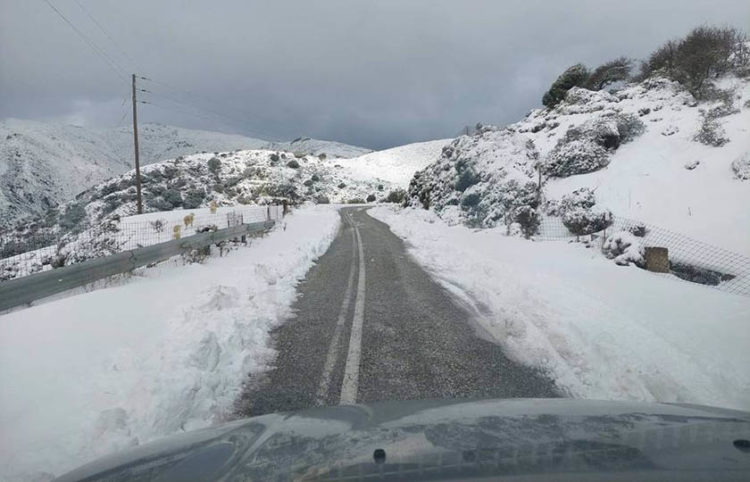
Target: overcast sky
point(373, 73)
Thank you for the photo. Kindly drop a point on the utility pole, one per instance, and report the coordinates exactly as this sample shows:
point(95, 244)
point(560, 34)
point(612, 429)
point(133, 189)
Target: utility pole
point(137, 160)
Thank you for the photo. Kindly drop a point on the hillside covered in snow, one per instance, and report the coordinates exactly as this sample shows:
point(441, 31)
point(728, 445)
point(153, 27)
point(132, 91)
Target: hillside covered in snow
point(45, 164)
point(649, 151)
point(87, 226)
point(396, 165)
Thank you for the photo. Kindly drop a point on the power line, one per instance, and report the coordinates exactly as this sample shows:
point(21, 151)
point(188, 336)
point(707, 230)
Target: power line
point(190, 111)
point(238, 115)
point(119, 123)
point(106, 34)
point(102, 54)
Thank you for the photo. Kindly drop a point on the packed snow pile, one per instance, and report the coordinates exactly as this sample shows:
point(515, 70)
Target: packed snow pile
point(599, 330)
point(45, 164)
point(162, 352)
point(396, 165)
point(649, 151)
point(228, 179)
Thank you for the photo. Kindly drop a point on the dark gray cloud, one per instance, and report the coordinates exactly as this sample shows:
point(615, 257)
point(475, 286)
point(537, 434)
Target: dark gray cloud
point(374, 73)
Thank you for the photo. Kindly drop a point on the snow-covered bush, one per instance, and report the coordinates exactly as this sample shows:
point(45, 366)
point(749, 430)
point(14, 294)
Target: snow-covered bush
point(711, 133)
point(484, 179)
point(585, 148)
point(629, 127)
point(639, 230)
point(741, 167)
point(528, 220)
point(578, 156)
point(293, 164)
point(580, 215)
point(624, 248)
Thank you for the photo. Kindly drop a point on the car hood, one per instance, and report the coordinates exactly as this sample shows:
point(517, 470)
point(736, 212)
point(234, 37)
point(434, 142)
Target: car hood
point(450, 440)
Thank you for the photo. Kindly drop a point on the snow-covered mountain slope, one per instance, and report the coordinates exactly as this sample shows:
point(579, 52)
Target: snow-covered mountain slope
point(316, 147)
point(88, 226)
point(396, 165)
point(649, 152)
point(44, 164)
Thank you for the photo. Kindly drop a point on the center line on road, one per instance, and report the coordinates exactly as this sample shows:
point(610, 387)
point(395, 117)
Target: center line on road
point(351, 371)
point(333, 349)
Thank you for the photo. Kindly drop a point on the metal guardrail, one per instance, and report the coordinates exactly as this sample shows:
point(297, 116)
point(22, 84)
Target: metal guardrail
point(37, 286)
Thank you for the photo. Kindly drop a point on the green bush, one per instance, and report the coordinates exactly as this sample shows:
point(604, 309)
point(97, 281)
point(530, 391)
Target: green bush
point(397, 196)
point(466, 179)
point(574, 76)
point(73, 215)
point(704, 53)
point(172, 197)
point(371, 198)
point(293, 164)
point(193, 198)
point(214, 165)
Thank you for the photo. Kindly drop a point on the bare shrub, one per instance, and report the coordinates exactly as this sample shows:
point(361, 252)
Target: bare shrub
point(617, 70)
point(711, 133)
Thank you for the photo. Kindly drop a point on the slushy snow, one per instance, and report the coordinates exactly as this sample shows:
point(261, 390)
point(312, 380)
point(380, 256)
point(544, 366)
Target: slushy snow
point(162, 352)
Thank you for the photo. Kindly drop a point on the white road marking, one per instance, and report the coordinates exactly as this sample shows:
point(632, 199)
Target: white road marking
point(333, 350)
point(351, 371)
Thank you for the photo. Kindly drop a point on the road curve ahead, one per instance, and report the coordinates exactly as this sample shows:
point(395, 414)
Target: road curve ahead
point(370, 324)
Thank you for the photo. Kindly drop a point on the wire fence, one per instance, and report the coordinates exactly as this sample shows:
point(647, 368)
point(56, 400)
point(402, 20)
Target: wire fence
point(28, 254)
point(689, 259)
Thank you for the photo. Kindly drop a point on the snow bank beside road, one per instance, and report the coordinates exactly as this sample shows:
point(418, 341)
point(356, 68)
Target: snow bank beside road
point(602, 331)
point(91, 374)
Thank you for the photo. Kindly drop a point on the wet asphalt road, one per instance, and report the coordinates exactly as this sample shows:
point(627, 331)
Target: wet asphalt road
point(376, 327)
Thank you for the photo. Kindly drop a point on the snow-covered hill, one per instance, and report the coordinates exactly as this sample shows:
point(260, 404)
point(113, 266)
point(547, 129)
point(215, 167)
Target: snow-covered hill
point(649, 151)
point(87, 226)
point(396, 165)
point(316, 147)
point(44, 164)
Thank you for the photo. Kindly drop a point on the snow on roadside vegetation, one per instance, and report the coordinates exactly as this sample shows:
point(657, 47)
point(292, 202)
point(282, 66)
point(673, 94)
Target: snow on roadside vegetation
point(602, 331)
point(639, 150)
point(164, 352)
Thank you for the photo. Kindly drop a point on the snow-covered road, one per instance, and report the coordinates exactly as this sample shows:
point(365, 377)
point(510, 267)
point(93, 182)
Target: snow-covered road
point(370, 324)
